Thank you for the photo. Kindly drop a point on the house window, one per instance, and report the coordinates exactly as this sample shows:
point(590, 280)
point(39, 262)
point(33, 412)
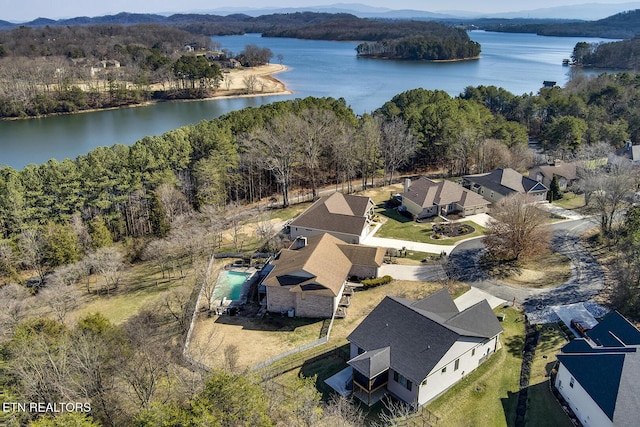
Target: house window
point(443, 370)
point(473, 352)
point(400, 379)
point(456, 365)
point(571, 382)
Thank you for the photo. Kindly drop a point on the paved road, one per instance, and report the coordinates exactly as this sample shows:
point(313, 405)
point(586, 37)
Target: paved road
point(586, 280)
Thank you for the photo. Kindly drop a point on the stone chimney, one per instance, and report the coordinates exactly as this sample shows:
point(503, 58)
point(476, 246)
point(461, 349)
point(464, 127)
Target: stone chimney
point(407, 184)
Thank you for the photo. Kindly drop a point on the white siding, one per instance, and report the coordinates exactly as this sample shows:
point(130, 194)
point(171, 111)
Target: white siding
point(401, 391)
point(468, 352)
point(587, 411)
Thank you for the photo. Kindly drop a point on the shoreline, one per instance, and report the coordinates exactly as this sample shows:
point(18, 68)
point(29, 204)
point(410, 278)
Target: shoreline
point(263, 74)
point(386, 58)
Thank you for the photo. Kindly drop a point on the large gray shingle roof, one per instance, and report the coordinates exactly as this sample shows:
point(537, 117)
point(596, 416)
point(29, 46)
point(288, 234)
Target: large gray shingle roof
point(506, 181)
point(419, 333)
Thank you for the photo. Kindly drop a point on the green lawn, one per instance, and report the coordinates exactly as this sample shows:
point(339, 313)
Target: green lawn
point(487, 396)
point(400, 227)
point(570, 201)
point(543, 410)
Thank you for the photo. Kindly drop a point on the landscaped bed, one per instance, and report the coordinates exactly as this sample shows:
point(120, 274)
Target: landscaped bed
point(397, 226)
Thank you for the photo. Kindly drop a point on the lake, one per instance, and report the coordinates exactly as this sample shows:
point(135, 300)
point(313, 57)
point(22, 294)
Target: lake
point(516, 62)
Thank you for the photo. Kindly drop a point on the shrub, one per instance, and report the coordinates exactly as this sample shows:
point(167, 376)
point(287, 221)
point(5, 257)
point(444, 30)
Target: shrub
point(372, 283)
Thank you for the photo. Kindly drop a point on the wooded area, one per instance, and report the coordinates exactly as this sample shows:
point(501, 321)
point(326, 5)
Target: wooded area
point(625, 25)
point(54, 70)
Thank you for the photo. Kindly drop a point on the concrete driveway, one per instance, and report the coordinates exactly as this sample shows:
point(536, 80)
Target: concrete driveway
point(561, 212)
point(422, 273)
point(474, 296)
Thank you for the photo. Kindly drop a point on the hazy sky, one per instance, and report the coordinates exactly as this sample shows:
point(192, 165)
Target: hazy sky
point(26, 10)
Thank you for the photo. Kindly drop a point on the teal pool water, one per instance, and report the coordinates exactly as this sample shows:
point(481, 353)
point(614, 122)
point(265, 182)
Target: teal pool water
point(230, 285)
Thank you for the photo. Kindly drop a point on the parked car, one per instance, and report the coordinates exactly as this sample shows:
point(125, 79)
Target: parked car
point(581, 327)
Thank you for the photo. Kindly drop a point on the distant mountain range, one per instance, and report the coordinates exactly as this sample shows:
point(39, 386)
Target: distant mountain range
point(584, 12)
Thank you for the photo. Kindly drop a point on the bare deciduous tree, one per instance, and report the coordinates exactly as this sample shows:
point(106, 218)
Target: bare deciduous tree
point(109, 263)
point(250, 83)
point(14, 305)
point(176, 303)
point(608, 190)
point(517, 229)
point(32, 252)
point(279, 150)
point(61, 298)
point(342, 411)
point(173, 200)
point(397, 146)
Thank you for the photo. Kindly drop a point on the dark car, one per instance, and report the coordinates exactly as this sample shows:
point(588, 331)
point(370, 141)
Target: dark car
point(580, 326)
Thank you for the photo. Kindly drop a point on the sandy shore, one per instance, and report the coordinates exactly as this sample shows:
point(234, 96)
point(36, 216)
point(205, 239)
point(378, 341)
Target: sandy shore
point(233, 86)
point(234, 83)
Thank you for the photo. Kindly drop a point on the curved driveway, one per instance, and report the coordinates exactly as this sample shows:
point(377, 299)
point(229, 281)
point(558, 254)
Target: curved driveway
point(586, 281)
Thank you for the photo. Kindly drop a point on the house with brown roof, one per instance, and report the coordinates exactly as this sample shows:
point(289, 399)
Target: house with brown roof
point(310, 276)
point(565, 173)
point(345, 216)
point(500, 183)
point(416, 350)
point(425, 198)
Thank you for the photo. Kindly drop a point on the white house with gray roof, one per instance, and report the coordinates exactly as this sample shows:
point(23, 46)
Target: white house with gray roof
point(500, 183)
point(599, 375)
point(416, 350)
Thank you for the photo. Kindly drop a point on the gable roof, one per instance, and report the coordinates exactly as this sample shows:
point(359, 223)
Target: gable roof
point(305, 268)
point(363, 255)
point(599, 375)
point(372, 363)
point(614, 331)
point(420, 333)
point(607, 366)
point(342, 213)
point(426, 193)
point(565, 170)
point(506, 181)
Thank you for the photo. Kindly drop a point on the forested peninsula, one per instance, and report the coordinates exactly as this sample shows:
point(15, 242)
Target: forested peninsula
point(108, 62)
point(407, 40)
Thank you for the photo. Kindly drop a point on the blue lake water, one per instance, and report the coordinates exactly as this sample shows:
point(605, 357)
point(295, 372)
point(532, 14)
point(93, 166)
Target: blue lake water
point(516, 62)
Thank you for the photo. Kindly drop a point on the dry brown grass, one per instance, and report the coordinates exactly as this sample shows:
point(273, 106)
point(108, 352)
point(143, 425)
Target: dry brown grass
point(547, 271)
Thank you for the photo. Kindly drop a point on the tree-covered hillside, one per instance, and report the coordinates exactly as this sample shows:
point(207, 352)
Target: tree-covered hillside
point(622, 55)
point(624, 25)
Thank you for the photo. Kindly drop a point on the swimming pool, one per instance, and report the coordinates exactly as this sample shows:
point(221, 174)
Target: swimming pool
point(229, 285)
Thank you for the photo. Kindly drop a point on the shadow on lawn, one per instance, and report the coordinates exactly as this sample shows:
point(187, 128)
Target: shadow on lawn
point(509, 405)
point(392, 213)
point(267, 323)
point(539, 409)
point(515, 345)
